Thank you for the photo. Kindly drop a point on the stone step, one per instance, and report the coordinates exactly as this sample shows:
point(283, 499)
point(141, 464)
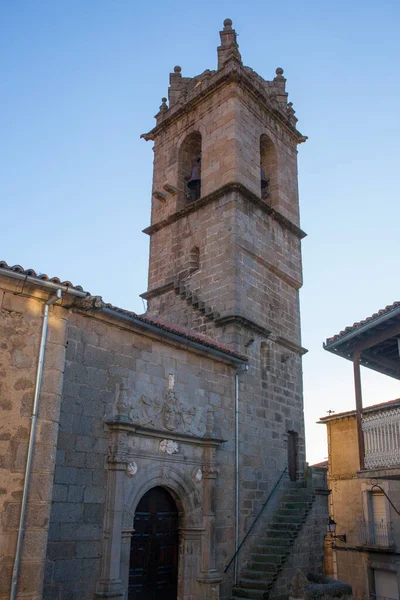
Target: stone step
point(239, 592)
point(273, 546)
point(261, 567)
point(251, 584)
point(294, 520)
point(268, 557)
point(276, 532)
point(285, 525)
point(289, 512)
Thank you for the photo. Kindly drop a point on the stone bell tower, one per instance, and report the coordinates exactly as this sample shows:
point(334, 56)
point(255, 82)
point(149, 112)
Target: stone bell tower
point(225, 255)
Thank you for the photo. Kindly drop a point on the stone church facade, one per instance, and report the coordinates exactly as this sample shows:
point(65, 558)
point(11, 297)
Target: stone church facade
point(182, 419)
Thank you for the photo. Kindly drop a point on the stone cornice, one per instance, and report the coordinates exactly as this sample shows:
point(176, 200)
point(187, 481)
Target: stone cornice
point(158, 291)
point(226, 189)
point(248, 324)
point(291, 346)
point(161, 434)
point(238, 319)
point(232, 72)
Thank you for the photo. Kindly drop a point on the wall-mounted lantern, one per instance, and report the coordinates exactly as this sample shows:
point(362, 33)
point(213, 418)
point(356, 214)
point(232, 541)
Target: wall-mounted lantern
point(332, 531)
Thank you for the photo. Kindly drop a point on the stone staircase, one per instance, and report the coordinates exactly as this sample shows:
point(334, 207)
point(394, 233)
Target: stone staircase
point(271, 550)
point(182, 289)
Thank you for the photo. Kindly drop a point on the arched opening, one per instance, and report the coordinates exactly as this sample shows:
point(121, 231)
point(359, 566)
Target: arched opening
point(153, 567)
point(194, 260)
point(189, 164)
point(268, 170)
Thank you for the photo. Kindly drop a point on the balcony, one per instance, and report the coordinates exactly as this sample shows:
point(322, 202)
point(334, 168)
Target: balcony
point(377, 535)
point(382, 440)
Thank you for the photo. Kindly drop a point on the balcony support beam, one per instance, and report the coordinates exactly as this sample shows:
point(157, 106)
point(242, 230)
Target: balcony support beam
point(359, 408)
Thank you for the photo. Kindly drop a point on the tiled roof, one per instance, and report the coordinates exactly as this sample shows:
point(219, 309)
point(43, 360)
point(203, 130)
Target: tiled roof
point(179, 331)
point(350, 413)
point(359, 324)
point(41, 276)
point(321, 465)
point(146, 318)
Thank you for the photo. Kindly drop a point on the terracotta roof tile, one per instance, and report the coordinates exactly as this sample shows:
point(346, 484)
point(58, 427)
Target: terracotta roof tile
point(179, 331)
point(146, 318)
point(359, 324)
point(41, 276)
point(321, 465)
point(372, 408)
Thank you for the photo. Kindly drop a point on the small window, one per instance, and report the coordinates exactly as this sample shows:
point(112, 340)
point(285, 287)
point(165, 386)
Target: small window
point(194, 260)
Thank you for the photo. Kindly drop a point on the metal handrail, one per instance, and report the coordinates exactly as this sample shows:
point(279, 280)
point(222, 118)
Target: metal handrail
point(256, 519)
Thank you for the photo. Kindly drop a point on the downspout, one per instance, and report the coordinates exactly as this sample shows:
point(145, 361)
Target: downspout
point(31, 445)
point(237, 503)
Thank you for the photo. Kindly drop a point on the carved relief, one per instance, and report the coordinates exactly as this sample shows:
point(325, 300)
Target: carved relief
point(172, 414)
point(131, 469)
point(168, 446)
point(197, 475)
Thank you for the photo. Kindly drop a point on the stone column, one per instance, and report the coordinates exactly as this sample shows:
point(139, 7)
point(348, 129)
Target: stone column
point(209, 575)
point(111, 585)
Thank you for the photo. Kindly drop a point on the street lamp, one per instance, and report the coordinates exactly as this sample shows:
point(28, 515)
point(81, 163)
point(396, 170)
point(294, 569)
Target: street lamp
point(332, 531)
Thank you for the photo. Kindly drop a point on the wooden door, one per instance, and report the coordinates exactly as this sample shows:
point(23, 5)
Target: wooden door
point(153, 570)
point(292, 455)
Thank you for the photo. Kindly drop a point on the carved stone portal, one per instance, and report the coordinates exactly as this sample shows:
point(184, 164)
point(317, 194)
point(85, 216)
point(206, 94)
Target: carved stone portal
point(172, 414)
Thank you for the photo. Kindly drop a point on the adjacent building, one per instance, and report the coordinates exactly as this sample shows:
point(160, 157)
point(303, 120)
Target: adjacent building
point(364, 465)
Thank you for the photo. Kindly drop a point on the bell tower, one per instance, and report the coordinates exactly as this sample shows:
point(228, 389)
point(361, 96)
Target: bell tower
point(225, 241)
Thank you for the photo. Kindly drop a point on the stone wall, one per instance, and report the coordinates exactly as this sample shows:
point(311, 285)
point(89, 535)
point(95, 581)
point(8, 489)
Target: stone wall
point(100, 355)
point(20, 331)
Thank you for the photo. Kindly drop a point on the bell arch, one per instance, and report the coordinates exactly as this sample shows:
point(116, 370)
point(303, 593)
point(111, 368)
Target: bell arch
point(268, 170)
point(189, 169)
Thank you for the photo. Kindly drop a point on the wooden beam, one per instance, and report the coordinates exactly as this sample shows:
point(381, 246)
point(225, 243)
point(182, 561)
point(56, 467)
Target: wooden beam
point(387, 363)
point(382, 336)
point(359, 408)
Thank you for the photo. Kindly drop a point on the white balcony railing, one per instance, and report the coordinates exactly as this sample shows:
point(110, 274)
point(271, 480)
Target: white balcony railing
point(375, 534)
point(382, 439)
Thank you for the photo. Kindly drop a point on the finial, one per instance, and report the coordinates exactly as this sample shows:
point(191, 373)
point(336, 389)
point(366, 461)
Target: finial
point(228, 24)
point(279, 71)
point(163, 106)
point(177, 69)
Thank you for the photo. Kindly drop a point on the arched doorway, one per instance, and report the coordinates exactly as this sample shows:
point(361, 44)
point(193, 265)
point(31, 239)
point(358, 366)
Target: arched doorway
point(153, 569)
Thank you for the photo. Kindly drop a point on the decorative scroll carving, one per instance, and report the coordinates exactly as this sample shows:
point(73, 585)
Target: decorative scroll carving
point(131, 469)
point(172, 414)
point(169, 447)
point(197, 475)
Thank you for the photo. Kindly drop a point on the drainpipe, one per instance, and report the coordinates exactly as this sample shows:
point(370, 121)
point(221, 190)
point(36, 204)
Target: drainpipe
point(32, 436)
point(239, 369)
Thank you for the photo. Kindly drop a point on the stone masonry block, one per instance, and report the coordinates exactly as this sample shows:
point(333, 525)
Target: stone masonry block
point(93, 513)
point(61, 550)
point(89, 549)
point(94, 494)
point(80, 532)
point(75, 493)
point(66, 512)
point(67, 570)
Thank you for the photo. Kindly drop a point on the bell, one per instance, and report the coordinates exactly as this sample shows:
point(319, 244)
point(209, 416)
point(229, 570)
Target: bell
point(194, 180)
point(264, 180)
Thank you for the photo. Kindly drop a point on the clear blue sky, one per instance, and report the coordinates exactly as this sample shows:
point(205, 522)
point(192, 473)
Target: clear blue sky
point(82, 79)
